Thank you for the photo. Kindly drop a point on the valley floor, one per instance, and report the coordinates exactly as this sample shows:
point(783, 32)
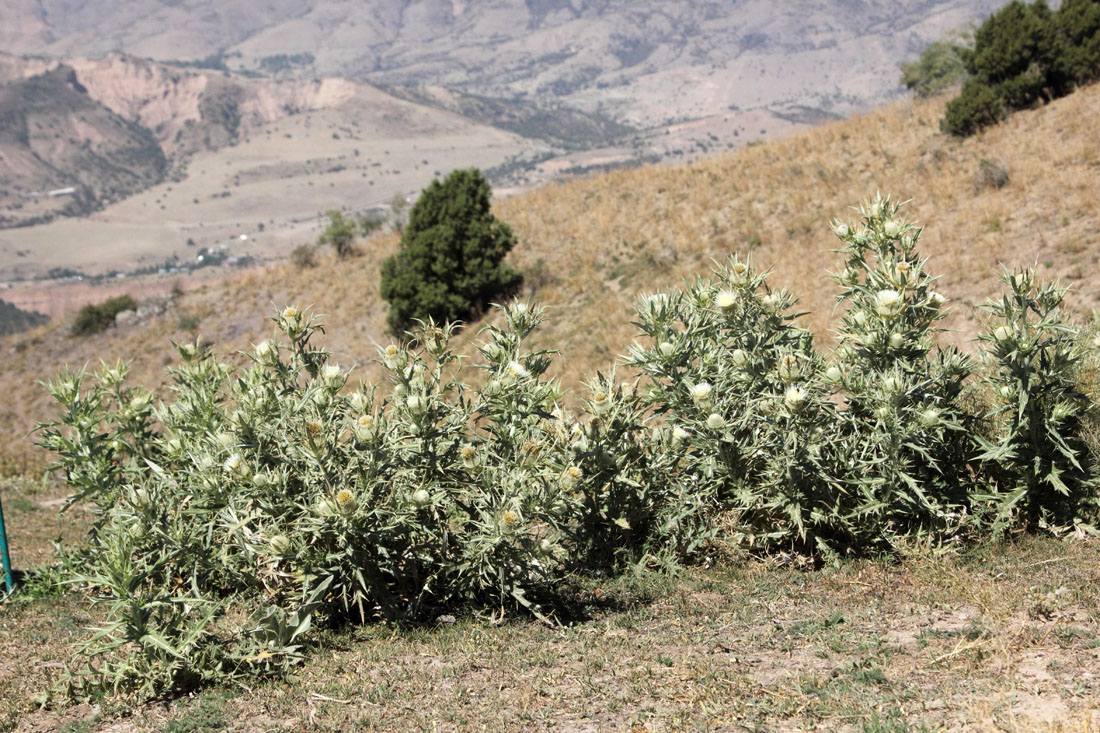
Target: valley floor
point(1000, 637)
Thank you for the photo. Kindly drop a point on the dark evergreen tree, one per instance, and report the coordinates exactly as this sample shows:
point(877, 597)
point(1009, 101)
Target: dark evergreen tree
point(451, 262)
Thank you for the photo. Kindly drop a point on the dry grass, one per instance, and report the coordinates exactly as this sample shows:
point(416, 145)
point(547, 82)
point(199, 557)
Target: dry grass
point(1003, 637)
point(594, 244)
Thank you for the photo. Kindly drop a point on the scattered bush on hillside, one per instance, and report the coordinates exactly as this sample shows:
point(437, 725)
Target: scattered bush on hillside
point(940, 66)
point(451, 262)
point(991, 174)
point(340, 233)
point(249, 505)
point(97, 318)
point(304, 256)
point(370, 223)
point(1025, 55)
point(14, 319)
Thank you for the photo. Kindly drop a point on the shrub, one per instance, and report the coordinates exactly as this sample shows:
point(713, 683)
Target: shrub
point(249, 505)
point(451, 261)
point(991, 174)
point(370, 223)
point(976, 108)
point(304, 256)
point(340, 233)
point(1078, 22)
point(97, 318)
point(941, 66)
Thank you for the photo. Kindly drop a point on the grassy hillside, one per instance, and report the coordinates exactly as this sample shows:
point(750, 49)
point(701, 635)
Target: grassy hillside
point(590, 246)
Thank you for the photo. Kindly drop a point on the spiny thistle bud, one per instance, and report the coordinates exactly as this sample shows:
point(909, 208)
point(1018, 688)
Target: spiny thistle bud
point(739, 357)
point(601, 403)
point(508, 521)
point(666, 349)
point(841, 230)
point(795, 398)
point(935, 299)
point(188, 351)
point(416, 404)
point(1003, 334)
point(834, 375)
point(421, 498)
point(715, 421)
point(859, 318)
point(891, 229)
point(358, 402)
point(892, 384)
point(771, 302)
point(1062, 411)
point(546, 547)
point(679, 435)
point(888, 303)
point(930, 418)
point(740, 273)
point(788, 367)
point(266, 352)
point(896, 341)
point(279, 544)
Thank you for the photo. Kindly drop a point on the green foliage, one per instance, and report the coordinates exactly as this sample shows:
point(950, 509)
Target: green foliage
point(246, 506)
point(97, 318)
point(340, 233)
point(370, 223)
point(451, 262)
point(304, 256)
point(940, 67)
point(15, 320)
point(1036, 454)
point(1024, 55)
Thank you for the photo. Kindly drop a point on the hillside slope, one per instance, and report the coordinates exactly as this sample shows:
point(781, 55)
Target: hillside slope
point(53, 135)
point(590, 246)
point(642, 63)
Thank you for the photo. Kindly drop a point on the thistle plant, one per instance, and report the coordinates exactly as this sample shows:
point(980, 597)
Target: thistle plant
point(1040, 467)
point(906, 437)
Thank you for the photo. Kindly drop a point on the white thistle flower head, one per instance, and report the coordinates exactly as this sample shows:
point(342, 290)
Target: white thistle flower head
point(364, 427)
point(795, 398)
point(468, 454)
point(292, 319)
point(345, 501)
point(936, 299)
point(892, 384)
point(841, 230)
point(236, 465)
point(896, 341)
point(394, 357)
point(400, 390)
point(421, 498)
point(701, 392)
point(679, 435)
point(859, 318)
point(888, 302)
point(571, 476)
point(331, 373)
point(740, 273)
point(666, 349)
point(516, 370)
point(1007, 392)
point(715, 421)
point(891, 229)
point(546, 547)
point(113, 376)
point(188, 351)
point(726, 300)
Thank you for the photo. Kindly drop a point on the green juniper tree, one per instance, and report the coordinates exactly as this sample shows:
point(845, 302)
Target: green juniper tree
point(451, 261)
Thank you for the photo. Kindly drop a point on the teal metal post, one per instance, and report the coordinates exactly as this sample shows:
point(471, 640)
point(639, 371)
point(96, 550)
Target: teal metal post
point(4, 551)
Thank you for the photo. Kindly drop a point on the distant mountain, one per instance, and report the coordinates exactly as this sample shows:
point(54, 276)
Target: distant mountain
point(638, 63)
point(61, 151)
